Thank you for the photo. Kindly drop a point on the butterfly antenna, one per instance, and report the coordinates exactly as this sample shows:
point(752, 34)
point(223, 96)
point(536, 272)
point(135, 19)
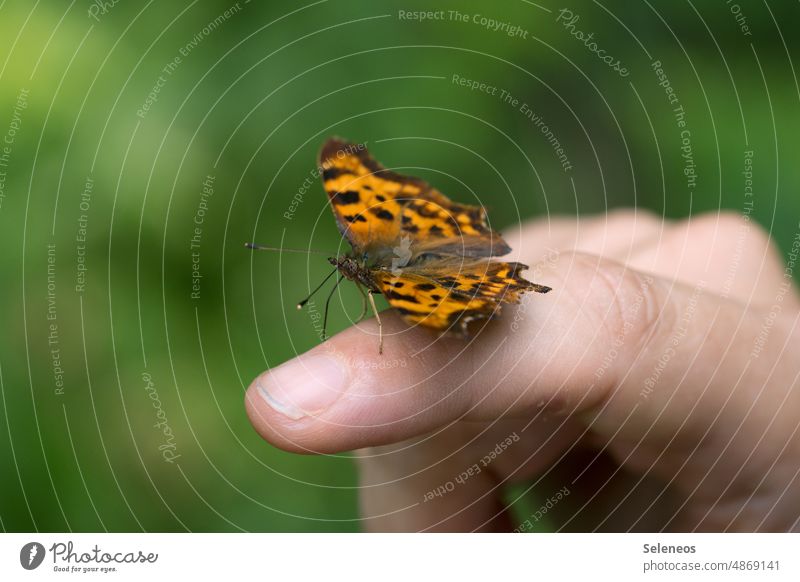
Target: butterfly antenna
point(327, 303)
point(310, 295)
point(255, 247)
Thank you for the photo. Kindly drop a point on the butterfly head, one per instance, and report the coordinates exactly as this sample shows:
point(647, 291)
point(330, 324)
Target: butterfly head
point(353, 269)
point(347, 266)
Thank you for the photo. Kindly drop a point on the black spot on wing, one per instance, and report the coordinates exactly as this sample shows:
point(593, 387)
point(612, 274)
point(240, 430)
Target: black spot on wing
point(392, 294)
point(382, 213)
point(333, 172)
point(447, 281)
point(425, 287)
point(404, 311)
point(459, 298)
point(454, 316)
point(426, 210)
point(356, 218)
point(348, 197)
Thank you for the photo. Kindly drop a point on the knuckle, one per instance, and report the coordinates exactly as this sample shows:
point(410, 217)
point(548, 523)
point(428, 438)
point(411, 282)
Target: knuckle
point(638, 311)
point(725, 220)
point(731, 237)
point(714, 224)
point(638, 215)
point(725, 226)
point(656, 314)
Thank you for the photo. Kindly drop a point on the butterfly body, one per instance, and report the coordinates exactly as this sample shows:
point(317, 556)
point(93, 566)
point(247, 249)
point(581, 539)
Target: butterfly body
point(429, 256)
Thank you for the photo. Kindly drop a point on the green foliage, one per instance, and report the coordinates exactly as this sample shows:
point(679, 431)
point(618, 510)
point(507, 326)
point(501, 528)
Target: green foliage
point(250, 101)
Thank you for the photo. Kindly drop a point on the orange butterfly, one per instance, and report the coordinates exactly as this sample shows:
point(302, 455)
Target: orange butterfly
point(430, 257)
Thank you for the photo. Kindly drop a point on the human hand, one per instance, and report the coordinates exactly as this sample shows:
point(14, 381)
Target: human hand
point(657, 385)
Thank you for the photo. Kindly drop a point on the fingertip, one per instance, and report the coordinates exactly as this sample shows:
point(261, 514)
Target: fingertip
point(344, 395)
point(270, 425)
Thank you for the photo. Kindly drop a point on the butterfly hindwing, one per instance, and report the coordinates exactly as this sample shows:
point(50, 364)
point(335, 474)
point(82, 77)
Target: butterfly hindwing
point(503, 282)
point(446, 296)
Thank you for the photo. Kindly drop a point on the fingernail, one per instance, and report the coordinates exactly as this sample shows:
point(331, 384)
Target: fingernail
point(305, 386)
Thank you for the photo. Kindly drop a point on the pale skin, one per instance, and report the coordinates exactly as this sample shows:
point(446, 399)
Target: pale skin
point(659, 382)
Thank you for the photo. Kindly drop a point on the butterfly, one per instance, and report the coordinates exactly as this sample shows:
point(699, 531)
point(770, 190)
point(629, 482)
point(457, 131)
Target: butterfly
point(430, 257)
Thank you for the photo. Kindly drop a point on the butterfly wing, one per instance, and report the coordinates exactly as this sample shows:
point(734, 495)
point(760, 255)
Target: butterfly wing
point(445, 296)
point(375, 208)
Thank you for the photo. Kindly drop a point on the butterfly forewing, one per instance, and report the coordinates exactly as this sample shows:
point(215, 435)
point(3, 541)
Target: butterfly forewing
point(376, 207)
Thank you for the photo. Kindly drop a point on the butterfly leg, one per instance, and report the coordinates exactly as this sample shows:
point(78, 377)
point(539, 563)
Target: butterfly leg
point(327, 305)
point(363, 303)
point(378, 319)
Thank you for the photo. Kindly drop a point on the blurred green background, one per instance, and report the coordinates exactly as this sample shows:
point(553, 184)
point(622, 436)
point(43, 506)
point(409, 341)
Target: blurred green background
point(117, 115)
